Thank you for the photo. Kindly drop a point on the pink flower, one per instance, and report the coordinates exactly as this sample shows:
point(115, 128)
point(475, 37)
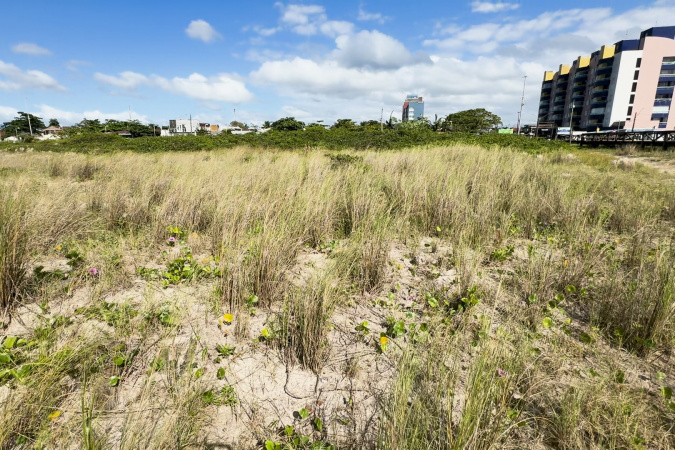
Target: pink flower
point(93, 271)
point(501, 372)
point(172, 240)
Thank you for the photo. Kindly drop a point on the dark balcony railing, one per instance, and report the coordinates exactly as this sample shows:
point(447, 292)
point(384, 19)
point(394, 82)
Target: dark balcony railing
point(604, 71)
point(601, 82)
point(665, 90)
point(547, 86)
point(662, 102)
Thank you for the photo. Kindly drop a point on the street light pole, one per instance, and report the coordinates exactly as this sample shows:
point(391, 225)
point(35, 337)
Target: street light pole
point(522, 103)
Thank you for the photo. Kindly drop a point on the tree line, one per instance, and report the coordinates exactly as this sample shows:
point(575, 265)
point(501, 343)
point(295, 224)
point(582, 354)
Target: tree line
point(468, 121)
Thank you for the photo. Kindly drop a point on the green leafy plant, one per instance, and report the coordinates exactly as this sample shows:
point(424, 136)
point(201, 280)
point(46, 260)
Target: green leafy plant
point(225, 350)
point(395, 328)
point(502, 254)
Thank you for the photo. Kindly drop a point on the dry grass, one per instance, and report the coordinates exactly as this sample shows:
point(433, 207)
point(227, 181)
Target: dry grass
point(547, 322)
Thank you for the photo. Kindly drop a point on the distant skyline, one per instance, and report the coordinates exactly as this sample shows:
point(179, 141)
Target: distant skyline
point(321, 60)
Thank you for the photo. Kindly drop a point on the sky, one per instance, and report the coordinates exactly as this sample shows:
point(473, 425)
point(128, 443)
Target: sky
point(217, 61)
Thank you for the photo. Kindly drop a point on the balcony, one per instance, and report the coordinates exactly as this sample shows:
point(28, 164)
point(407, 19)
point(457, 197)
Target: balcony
point(601, 82)
point(667, 77)
point(578, 97)
point(581, 74)
point(558, 109)
point(547, 86)
point(662, 102)
point(665, 90)
point(559, 101)
point(604, 70)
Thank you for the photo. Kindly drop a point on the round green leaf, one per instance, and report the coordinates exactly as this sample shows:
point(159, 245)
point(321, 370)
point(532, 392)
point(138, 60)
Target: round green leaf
point(114, 381)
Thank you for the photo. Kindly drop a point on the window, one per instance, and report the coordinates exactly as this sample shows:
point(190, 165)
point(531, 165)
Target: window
point(630, 111)
point(632, 99)
point(637, 74)
point(634, 87)
point(639, 62)
point(668, 60)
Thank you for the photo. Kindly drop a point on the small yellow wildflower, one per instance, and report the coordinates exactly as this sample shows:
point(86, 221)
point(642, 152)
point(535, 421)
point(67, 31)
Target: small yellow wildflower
point(228, 318)
point(55, 415)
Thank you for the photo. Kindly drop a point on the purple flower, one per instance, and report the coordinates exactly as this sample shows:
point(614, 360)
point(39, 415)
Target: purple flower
point(93, 271)
point(172, 240)
point(501, 372)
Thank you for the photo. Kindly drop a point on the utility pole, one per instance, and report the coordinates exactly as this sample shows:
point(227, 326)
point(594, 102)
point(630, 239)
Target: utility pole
point(30, 127)
point(522, 103)
point(381, 117)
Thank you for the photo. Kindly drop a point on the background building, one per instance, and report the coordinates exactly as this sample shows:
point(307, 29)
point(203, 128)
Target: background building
point(628, 85)
point(413, 108)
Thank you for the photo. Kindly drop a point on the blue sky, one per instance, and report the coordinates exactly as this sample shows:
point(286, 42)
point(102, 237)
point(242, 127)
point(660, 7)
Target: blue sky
point(315, 60)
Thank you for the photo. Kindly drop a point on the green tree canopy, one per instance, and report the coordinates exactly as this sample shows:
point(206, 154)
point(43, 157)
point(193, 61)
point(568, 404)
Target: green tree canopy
point(54, 123)
point(347, 124)
point(135, 127)
point(370, 125)
point(236, 123)
point(288, 124)
point(472, 121)
point(20, 124)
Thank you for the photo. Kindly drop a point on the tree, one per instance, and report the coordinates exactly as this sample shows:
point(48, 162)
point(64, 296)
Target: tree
point(236, 123)
point(267, 124)
point(472, 121)
point(315, 126)
point(20, 124)
point(345, 124)
point(370, 125)
point(54, 123)
point(288, 124)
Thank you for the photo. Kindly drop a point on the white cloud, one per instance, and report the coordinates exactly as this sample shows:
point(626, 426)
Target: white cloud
point(307, 20)
point(71, 117)
point(222, 87)
point(490, 7)
point(292, 111)
point(301, 14)
point(366, 16)
point(200, 29)
point(265, 32)
point(472, 66)
point(126, 80)
point(7, 113)
point(30, 49)
point(335, 28)
point(16, 79)
point(74, 64)
point(373, 49)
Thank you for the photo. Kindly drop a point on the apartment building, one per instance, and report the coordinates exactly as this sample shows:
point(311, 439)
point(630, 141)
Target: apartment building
point(413, 108)
point(627, 85)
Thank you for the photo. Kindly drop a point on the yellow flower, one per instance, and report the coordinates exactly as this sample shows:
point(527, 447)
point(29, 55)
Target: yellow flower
point(55, 415)
point(566, 263)
point(58, 247)
point(228, 318)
